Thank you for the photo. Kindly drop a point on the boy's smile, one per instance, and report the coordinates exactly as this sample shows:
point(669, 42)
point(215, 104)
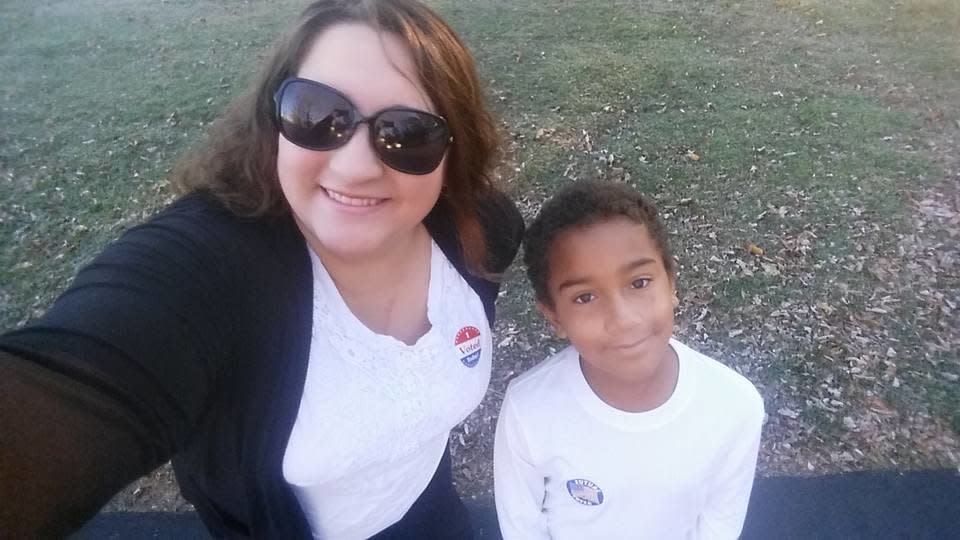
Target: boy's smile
point(614, 299)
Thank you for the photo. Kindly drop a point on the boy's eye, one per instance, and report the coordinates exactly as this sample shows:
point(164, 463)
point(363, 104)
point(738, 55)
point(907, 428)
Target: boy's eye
point(640, 283)
point(584, 298)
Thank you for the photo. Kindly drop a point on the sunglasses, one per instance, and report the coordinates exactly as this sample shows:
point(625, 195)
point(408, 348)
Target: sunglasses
point(315, 116)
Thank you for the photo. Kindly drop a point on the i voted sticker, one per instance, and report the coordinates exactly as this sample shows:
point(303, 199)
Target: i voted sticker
point(585, 492)
point(468, 345)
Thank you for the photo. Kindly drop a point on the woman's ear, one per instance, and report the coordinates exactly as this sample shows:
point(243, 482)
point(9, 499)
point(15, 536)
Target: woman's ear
point(551, 316)
point(676, 300)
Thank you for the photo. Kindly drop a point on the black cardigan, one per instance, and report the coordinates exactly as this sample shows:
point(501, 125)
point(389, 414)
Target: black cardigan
point(191, 334)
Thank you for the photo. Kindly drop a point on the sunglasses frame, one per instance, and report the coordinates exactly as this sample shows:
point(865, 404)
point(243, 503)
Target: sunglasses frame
point(358, 119)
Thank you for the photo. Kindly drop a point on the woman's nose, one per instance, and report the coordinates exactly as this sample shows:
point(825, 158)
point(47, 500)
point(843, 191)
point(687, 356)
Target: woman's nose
point(356, 160)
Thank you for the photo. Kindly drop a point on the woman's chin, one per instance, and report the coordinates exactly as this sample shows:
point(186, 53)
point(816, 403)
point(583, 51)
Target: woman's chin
point(350, 246)
point(347, 250)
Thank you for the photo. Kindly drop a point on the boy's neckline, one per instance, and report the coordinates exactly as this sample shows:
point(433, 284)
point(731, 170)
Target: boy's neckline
point(636, 396)
point(635, 421)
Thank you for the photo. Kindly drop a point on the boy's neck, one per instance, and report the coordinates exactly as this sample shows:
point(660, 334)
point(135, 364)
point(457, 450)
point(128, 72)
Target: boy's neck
point(633, 395)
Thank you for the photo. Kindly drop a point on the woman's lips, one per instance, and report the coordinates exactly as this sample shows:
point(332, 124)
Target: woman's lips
point(351, 200)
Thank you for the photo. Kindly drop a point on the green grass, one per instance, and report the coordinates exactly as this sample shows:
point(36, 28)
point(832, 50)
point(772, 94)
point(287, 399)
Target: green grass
point(807, 147)
point(99, 98)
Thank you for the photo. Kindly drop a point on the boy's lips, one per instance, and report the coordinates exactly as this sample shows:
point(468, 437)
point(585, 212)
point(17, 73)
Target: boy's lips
point(627, 345)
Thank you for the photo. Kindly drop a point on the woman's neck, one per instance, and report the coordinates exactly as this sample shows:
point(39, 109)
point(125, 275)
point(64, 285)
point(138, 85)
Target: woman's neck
point(386, 290)
point(376, 271)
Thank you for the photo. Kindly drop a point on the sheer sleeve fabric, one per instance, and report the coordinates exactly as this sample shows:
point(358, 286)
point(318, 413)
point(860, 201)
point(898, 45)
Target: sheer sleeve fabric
point(112, 380)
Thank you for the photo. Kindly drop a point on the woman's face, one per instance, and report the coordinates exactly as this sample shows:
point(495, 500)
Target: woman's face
point(347, 203)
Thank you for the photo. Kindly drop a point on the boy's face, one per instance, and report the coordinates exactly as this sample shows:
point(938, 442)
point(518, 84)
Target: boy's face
point(612, 297)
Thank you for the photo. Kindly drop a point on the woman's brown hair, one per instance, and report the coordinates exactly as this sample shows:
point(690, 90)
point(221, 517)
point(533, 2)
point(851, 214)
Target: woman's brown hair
point(237, 162)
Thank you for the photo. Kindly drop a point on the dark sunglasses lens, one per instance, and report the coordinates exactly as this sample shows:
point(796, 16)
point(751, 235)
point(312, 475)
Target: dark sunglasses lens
point(314, 117)
point(409, 141)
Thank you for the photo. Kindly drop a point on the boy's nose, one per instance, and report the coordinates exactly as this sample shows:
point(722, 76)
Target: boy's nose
point(356, 160)
point(622, 315)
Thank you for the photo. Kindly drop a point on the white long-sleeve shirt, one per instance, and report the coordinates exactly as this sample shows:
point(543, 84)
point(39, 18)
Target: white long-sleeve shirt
point(567, 465)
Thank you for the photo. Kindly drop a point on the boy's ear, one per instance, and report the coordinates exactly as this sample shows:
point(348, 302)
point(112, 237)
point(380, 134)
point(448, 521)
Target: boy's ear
point(551, 316)
point(673, 287)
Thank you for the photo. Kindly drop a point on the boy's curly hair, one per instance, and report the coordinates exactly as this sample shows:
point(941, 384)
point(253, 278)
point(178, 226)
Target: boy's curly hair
point(580, 204)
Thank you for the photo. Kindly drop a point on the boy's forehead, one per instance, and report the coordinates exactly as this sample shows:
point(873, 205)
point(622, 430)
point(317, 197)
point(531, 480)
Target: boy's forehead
point(603, 247)
point(618, 230)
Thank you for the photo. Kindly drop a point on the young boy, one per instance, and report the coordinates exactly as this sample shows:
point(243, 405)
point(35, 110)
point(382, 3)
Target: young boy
point(626, 433)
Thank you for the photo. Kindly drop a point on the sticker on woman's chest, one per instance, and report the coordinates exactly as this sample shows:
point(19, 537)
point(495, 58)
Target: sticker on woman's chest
point(468, 345)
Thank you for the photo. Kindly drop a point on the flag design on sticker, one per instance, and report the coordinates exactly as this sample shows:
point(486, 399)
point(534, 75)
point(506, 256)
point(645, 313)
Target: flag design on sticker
point(468, 345)
point(585, 492)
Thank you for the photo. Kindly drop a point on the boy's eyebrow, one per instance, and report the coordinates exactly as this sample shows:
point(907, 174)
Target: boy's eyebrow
point(633, 265)
point(571, 283)
point(642, 261)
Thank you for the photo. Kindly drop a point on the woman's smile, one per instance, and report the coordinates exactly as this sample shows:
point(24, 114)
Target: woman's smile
point(353, 201)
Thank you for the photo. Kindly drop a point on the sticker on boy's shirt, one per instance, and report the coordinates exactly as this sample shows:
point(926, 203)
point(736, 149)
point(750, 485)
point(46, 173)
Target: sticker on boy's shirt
point(468, 345)
point(585, 492)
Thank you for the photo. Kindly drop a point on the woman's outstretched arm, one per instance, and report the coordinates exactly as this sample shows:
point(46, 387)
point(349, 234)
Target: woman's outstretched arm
point(110, 382)
point(66, 449)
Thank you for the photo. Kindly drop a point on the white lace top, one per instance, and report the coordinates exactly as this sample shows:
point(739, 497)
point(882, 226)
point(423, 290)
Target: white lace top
point(376, 413)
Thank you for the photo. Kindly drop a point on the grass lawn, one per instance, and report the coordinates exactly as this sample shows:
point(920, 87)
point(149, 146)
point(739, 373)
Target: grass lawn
point(804, 153)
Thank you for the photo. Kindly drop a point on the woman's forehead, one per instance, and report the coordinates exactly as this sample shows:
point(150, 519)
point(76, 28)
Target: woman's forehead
point(374, 69)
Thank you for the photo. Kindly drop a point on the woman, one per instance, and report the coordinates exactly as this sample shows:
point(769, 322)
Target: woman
point(300, 332)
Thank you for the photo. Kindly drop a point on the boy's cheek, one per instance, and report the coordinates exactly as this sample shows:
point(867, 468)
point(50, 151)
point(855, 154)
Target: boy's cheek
point(585, 334)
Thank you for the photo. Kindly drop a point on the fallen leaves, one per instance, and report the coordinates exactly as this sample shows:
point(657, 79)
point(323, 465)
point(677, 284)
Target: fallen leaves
point(787, 412)
point(543, 133)
point(831, 345)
